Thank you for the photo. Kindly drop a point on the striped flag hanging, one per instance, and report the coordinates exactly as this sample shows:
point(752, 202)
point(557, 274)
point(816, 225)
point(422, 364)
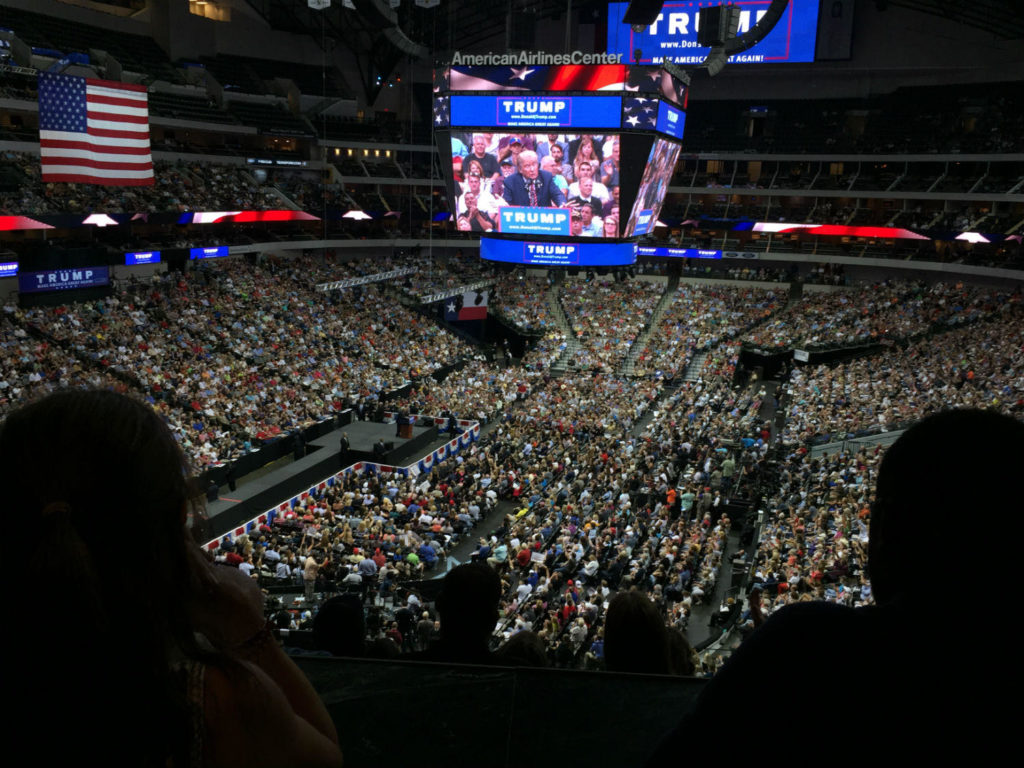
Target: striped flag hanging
point(94, 131)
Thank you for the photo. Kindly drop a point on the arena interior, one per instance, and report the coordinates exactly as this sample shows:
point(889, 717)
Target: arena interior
point(691, 440)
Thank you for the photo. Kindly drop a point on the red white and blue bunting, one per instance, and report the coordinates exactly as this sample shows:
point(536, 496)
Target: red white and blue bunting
point(469, 435)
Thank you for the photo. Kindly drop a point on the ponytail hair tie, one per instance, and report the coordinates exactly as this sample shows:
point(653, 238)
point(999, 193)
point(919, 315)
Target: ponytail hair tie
point(56, 508)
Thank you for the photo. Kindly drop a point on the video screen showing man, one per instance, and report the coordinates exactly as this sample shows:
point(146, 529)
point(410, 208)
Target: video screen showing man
point(547, 163)
point(532, 187)
point(502, 171)
point(484, 200)
point(587, 188)
point(660, 165)
point(478, 152)
point(592, 225)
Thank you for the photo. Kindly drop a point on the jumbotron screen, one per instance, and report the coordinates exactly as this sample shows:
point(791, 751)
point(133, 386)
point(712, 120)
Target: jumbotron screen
point(537, 184)
point(673, 35)
point(529, 163)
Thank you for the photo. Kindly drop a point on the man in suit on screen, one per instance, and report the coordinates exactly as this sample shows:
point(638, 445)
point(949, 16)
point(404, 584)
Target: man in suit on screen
point(530, 186)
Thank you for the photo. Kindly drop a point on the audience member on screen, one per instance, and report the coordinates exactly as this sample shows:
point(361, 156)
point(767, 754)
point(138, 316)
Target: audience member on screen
point(585, 180)
point(487, 161)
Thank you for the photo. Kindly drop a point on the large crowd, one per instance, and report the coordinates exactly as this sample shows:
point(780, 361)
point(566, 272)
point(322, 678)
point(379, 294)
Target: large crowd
point(180, 186)
point(978, 366)
point(606, 318)
point(698, 318)
point(884, 312)
point(604, 485)
point(239, 353)
point(613, 489)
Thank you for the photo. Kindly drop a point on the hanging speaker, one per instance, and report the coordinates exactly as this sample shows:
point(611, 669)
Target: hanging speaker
point(716, 25)
point(642, 12)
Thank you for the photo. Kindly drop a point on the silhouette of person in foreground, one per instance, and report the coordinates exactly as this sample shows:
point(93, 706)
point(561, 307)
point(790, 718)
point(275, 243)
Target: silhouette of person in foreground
point(143, 652)
point(636, 639)
point(905, 678)
point(468, 606)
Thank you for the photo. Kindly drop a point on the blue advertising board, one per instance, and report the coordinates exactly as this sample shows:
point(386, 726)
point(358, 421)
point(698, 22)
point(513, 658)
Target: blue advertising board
point(517, 111)
point(63, 279)
point(679, 253)
point(8, 269)
point(215, 252)
point(671, 121)
point(521, 220)
point(141, 257)
point(673, 35)
point(558, 254)
point(644, 221)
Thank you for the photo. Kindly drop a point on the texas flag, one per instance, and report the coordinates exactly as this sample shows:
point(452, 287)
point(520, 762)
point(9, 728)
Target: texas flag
point(470, 306)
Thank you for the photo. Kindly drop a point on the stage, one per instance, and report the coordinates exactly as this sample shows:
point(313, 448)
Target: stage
point(322, 459)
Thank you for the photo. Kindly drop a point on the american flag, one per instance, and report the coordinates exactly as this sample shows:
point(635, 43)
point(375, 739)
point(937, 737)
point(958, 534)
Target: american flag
point(94, 131)
point(566, 77)
point(441, 112)
point(639, 112)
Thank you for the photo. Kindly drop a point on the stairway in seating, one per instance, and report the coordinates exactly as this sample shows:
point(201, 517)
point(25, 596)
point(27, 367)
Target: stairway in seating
point(571, 344)
point(692, 372)
point(669, 296)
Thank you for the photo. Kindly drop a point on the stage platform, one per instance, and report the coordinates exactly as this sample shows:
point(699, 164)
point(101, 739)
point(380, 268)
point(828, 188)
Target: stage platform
point(322, 459)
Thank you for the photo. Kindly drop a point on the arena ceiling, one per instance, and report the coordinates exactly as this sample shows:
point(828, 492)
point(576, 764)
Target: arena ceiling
point(465, 23)
point(1001, 18)
point(472, 25)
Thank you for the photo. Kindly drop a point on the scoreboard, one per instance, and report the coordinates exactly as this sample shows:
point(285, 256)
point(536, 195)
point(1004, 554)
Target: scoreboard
point(556, 160)
point(673, 35)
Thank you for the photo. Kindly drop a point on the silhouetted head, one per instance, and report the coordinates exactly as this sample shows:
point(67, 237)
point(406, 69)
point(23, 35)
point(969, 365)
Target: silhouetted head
point(524, 649)
point(943, 482)
point(636, 639)
point(339, 626)
point(468, 604)
point(104, 490)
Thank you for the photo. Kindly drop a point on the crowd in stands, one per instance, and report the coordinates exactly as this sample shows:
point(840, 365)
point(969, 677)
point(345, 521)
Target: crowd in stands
point(180, 186)
point(594, 506)
point(523, 301)
point(606, 487)
point(699, 317)
point(813, 544)
point(607, 317)
point(250, 350)
point(31, 367)
point(883, 312)
point(975, 366)
point(618, 512)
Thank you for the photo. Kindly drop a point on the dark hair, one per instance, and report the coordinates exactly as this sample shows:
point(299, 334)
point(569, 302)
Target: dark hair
point(635, 636)
point(468, 602)
point(339, 626)
point(953, 469)
point(105, 489)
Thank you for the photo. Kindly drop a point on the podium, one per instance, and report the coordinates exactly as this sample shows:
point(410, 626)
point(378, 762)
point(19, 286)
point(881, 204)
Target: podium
point(405, 431)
